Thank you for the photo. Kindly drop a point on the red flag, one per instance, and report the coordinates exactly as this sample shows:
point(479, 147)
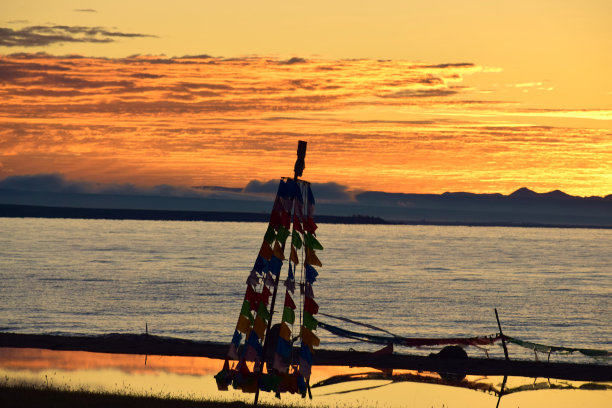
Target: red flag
point(310, 306)
point(289, 301)
point(265, 295)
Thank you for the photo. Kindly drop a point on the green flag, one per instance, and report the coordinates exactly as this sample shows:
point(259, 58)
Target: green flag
point(282, 234)
point(288, 315)
point(270, 235)
point(296, 240)
point(262, 311)
point(310, 321)
point(246, 308)
point(311, 242)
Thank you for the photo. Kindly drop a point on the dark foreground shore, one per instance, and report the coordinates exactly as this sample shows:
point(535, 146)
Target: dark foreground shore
point(24, 396)
point(155, 345)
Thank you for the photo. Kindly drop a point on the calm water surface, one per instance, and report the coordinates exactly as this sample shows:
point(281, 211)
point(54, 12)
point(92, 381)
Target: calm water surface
point(187, 279)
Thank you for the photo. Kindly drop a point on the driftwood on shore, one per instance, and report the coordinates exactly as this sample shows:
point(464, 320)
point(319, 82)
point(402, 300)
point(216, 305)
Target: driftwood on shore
point(156, 345)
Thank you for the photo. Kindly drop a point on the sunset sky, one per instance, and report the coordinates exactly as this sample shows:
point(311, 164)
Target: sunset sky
point(396, 96)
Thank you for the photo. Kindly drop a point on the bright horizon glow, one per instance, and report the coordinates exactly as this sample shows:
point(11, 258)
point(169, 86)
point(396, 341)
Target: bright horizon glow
point(392, 96)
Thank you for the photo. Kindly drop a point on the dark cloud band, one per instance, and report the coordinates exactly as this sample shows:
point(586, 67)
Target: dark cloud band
point(38, 36)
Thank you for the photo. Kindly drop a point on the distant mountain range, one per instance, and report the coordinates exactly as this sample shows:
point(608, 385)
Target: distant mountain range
point(523, 207)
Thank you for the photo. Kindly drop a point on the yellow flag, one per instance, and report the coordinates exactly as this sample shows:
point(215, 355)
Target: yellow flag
point(260, 327)
point(285, 332)
point(309, 338)
point(311, 257)
point(294, 257)
point(278, 251)
point(244, 325)
point(265, 251)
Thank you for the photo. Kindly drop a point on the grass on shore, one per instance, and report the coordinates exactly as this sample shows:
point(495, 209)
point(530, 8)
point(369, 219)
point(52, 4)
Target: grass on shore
point(30, 396)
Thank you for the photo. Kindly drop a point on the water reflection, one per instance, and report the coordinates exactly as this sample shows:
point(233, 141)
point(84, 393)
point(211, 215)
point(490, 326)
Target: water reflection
point(192, 377)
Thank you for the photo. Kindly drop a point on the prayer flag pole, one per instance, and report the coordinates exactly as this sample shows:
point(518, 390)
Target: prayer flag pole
point(298, 169)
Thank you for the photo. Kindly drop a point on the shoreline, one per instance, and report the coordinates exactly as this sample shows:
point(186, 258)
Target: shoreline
point(145, 344)
point(25, 395)
point(33, 211)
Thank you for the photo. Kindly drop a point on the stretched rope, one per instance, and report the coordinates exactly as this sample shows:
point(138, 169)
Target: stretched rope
point(463, 341)
point(409, 342)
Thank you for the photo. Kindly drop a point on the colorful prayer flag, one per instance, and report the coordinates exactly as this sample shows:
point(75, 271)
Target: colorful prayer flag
point(266, 251)
point(260, 327)
point(311, 242)
point(310, 321)
point(289, 301)
point(285, 332)
point(311, 273)
point(282, 235)
point(270, 235)
point(296, 240)
point(243, 325)
point(311, 257)
point(310, 305)
point(288, 315)
point(278, 251)
point(294, 256)
point(262, 311)
point(309, 338)
point(283, 347)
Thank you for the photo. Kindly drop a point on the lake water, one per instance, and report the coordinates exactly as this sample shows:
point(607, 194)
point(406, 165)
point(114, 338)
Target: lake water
point(187, 279)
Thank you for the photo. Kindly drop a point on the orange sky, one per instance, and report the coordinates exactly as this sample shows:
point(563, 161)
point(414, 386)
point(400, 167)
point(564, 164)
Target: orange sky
point(506, 115)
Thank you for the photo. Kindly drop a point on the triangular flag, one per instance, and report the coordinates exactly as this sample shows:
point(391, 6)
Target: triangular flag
point(275, 219)
point(283, 347)
point(282, 235)
point(262, 311)
point(297, 224)
point(288, 315)
point(311, 273)
point(236, 338)
point(285, 332)
point(309, 292)
point(269, 280)
point(289, 301)
point(309, 225)
point(294, 256)
point(296, 240)
point(311, 257)
point(265, 295)
point(253, 279)
point(246, 308)
point(286, 219)
point(309, 338)
point(260, 327)
point(275, 265)
point(243, 325)
point(266, 251)
point(310, 321)
point(252, 296)
point(311, 242)
point(306, 353)
point(278, 251)
point(290, 285)
point(270, 235)
point(310, 306)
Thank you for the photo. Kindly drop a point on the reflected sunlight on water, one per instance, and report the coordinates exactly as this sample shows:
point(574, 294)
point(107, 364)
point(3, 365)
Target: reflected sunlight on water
point(192, 377)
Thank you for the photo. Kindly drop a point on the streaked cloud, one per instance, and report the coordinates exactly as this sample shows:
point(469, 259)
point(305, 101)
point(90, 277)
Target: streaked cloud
point(391, 126)
point(45, 35)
